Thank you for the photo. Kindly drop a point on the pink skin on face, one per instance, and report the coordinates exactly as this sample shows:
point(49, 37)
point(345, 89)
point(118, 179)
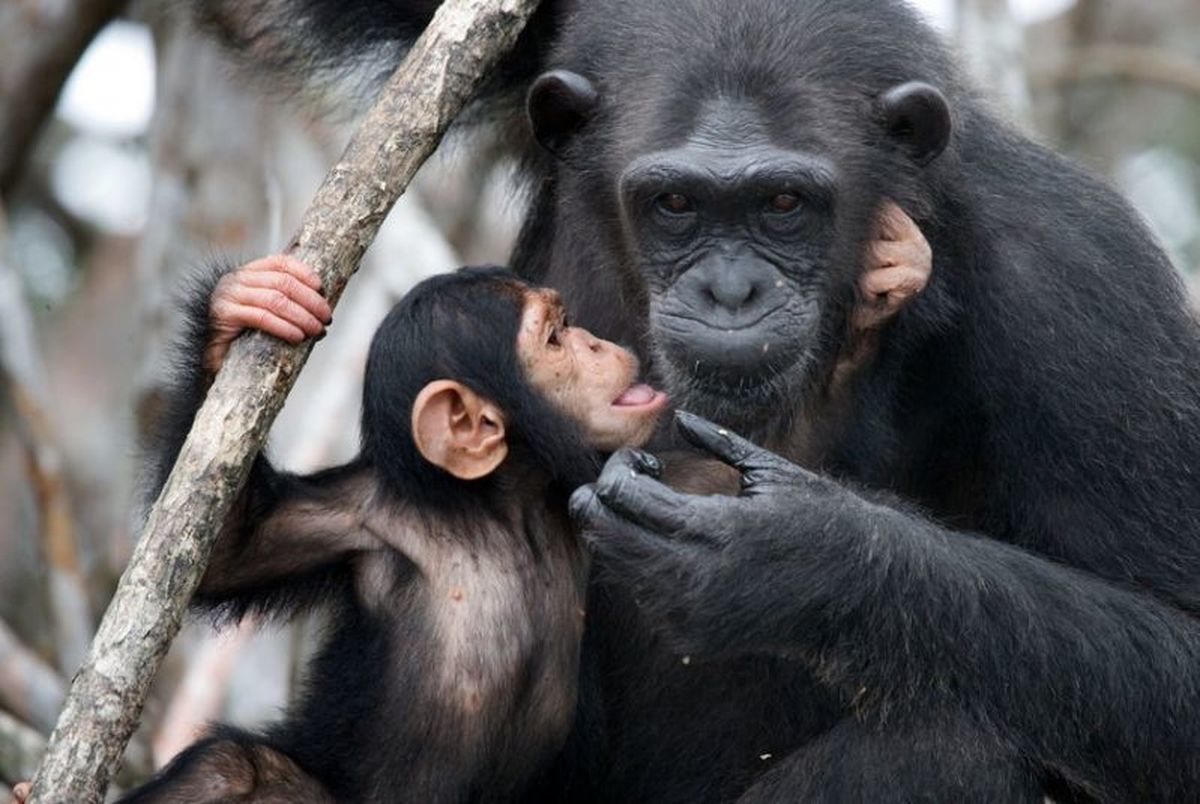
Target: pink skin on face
point(588, 379)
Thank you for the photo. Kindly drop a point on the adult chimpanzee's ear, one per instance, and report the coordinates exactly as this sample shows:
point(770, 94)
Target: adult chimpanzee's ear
point(458, 430)
point(560, 102)
point(918, 116)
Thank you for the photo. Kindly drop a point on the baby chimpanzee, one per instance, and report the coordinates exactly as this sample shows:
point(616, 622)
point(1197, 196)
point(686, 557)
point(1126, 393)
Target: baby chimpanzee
point(444, 550)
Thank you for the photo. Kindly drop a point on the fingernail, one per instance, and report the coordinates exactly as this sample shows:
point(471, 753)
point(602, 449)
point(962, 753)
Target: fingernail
point(650, 464)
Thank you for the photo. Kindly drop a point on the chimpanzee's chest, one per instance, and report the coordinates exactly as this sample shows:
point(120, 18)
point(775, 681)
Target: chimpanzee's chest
point(493, 631)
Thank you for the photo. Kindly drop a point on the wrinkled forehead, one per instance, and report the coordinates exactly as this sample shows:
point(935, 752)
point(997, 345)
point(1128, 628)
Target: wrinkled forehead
point(544, 303)
point(542, 307)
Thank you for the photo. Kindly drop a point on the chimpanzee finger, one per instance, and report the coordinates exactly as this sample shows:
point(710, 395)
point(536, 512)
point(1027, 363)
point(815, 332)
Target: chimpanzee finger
point(755, 463)
point(915, 254)
point(291, 287)
point(628, 491)
point(276, 304)
point(620, 540)
point(648, 463)
point(893, 284)
point(893, 223)
point(242, 316)
point(288, 264)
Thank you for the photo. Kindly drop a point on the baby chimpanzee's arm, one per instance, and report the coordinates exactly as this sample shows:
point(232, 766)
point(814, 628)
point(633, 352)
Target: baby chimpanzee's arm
point(286, 535)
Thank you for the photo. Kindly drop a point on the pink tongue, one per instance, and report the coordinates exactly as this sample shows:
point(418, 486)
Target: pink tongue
point(638, 394)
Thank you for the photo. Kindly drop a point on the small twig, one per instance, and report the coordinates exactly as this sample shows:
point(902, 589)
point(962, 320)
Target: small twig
point(463, 43)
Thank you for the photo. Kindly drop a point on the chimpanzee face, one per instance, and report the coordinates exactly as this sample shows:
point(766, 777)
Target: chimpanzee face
point(746, 239)
point(732, 236)
point(591, 381)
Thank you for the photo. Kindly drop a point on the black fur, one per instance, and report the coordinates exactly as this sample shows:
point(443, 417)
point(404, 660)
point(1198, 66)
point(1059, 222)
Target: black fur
point(450, 669)
point(1042, 395)
point(467, 309)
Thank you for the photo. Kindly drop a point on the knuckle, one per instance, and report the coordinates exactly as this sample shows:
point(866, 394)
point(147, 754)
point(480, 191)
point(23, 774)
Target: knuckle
point(277, 302)
point(291, 286)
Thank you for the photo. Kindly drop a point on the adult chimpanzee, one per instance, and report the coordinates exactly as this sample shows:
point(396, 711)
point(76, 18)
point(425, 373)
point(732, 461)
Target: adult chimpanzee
point(708, 173)
point(444, 549)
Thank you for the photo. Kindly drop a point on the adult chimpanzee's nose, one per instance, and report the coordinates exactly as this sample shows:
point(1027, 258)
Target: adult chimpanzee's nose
point(730, 292)
point(730, 289)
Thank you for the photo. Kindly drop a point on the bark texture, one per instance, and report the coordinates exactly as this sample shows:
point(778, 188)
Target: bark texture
point(460, 47)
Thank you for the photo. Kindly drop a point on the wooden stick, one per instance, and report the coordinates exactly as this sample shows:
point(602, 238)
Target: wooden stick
point(462, 44)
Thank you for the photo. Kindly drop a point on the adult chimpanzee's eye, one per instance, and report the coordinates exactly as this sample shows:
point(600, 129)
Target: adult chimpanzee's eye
point(674, 203)
point(785, 202)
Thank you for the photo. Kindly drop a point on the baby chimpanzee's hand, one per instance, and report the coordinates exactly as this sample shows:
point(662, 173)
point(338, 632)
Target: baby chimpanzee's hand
point(20, 792)
point(279, 295)
point(899, 263)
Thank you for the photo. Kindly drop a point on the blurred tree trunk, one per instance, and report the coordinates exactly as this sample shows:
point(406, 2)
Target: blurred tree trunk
point(993, 43)
point(40, 41)
point(29, 688)
point(20, 750)
point(209, 146)
point(21, 367)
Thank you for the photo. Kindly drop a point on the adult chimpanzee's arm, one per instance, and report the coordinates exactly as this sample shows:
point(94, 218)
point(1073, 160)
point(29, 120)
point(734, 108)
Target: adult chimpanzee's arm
point(907, 616)
point(285, 535)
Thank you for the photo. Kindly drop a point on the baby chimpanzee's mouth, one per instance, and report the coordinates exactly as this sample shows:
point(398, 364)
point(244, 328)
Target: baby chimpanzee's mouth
point(639, 395)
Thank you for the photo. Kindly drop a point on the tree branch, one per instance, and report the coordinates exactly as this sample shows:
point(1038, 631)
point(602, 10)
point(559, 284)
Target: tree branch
point(21, 365)
point(41, 41)
point(1144, 65)
point(29, 688)
point(462, 44)
point(20, 749)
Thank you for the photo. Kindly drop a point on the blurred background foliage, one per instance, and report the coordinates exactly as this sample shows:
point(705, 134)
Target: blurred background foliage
point(157, 156)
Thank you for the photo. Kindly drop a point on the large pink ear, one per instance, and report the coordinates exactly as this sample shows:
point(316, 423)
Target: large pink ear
point(458, 430)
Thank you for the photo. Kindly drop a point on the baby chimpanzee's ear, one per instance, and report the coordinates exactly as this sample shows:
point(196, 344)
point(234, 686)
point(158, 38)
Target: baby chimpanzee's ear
point(458, 430)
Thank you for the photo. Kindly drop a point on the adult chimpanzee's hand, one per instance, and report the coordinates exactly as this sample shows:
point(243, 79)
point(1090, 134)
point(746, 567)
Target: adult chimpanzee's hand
point(720, 574)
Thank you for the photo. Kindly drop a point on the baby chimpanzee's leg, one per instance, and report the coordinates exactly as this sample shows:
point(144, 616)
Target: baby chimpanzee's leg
point(231, 767)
